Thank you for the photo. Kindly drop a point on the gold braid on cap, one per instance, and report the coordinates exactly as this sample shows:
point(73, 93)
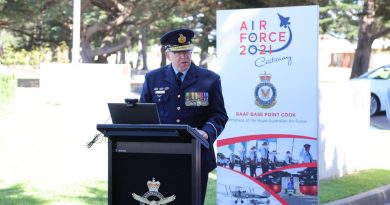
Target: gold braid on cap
point(188, 47)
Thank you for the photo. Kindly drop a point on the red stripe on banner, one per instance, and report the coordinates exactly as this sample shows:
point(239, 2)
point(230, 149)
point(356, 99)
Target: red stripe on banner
point(234, 140)
point(301, 165)
point(277, 197)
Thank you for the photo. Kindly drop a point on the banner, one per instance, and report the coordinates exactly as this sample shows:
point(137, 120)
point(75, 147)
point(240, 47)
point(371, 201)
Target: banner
point(268, 151)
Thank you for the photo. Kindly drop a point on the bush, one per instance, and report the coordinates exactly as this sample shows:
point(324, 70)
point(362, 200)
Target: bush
point(12, 56)
point(7, 87)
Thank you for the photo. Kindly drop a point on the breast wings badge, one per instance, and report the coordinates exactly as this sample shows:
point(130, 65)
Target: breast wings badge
point(153, 187)
point(265, 92)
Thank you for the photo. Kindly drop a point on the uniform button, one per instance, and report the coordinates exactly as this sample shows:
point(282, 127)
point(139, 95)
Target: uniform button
point(178, 96)
point(178, 120)
point(178, 108)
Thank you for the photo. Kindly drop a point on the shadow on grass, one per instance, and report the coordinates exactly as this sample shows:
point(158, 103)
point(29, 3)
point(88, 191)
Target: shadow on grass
point(94, 194)
point(17, 194)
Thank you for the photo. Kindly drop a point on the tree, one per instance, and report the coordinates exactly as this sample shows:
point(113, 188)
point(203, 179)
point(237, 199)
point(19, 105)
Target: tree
point(372, 25)
point(339, 19)
point(200, 16)
point(37, 23)
point(108, 26)
point(360, 21)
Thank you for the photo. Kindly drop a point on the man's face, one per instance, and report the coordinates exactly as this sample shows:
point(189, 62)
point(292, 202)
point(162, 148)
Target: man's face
point(181, 60)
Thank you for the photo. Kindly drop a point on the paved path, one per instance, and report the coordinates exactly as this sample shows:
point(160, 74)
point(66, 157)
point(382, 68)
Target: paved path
point(45, 143)
point(378, 196)
point(380, 121)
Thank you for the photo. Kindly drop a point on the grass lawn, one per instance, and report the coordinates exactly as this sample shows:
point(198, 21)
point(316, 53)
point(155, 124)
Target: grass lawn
point(95, 193)
point(211, 197)
point(339, 188)
point(87, 193)
point(77, 194)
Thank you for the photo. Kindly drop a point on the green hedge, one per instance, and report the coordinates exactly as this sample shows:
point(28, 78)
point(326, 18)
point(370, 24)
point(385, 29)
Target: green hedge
point(12, 56)
point(7, 87)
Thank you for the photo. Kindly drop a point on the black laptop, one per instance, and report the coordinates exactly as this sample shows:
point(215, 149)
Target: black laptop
point(138, 113)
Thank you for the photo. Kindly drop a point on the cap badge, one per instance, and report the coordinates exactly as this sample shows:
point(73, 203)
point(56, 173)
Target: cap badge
point(181, 39)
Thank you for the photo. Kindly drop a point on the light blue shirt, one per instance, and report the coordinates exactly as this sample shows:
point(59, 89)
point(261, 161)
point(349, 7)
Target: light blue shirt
point(264, 152)
point(306, 156)
point(184, 73)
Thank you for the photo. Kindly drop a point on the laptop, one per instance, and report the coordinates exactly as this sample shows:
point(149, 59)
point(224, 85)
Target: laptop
point(138, 113)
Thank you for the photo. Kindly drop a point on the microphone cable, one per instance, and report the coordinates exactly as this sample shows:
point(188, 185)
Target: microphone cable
point(98, 138)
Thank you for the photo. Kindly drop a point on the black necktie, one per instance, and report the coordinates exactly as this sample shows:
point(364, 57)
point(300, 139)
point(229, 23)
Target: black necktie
point(178, 78)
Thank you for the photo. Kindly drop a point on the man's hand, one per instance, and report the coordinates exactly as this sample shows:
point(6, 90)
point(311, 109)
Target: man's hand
point(203, 133)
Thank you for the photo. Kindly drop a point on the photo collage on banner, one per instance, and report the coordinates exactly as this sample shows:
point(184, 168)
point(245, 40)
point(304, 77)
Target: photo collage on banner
point(268, 152)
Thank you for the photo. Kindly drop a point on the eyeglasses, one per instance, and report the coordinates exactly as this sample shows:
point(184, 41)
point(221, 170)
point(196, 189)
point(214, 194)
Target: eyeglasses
point(181, 53)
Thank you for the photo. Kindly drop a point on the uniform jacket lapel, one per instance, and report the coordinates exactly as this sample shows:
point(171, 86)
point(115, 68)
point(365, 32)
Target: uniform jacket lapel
point(169, 75)
point(191, 77)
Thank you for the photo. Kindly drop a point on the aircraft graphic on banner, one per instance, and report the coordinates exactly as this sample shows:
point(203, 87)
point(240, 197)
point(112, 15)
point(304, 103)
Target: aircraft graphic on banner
point(241, 193)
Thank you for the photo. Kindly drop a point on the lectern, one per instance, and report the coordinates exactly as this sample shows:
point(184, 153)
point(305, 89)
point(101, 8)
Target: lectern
point(153, 162)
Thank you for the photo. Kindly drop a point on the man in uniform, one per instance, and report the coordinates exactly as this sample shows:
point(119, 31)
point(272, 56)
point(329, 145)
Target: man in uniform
point(243, 160)
point(253, 161)
point(288, 158)
point(187, 94)
point(264, 152)
point(305, 154)
point(231, 160)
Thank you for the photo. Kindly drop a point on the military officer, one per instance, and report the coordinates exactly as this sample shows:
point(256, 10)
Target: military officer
point(243, 160)
point(187, 94)
point(264, 152)
point(305, 154)
point(253, 161)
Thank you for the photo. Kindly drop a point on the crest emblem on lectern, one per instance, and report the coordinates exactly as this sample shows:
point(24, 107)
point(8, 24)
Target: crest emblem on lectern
point(153, 187)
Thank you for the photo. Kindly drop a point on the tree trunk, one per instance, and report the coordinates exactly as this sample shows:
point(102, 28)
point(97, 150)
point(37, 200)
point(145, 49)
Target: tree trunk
point(54, 53)
point(69, 54)
point(204, 49)
point(122, 58)
point(144, 47)
point(102, 59)
point(361, 61)
point(137, 64)
point(86, 53)
point(366, 31)
point(163, 58)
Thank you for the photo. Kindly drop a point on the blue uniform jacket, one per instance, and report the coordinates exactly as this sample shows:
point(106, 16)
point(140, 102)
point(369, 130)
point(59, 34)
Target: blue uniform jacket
point(198, 102)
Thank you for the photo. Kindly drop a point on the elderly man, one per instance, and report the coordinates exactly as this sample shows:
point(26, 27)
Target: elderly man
point(187, 94)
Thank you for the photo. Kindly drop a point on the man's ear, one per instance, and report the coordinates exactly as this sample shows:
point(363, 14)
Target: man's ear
point(167, 56)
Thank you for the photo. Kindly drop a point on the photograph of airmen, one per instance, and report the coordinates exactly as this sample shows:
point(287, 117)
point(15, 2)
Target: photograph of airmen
point(260, 160)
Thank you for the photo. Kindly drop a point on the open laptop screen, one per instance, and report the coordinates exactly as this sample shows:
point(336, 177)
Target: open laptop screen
point(139, 113)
